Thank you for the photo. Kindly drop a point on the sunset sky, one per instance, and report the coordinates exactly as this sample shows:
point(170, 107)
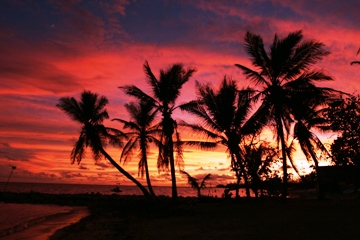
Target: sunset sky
point(51, 49)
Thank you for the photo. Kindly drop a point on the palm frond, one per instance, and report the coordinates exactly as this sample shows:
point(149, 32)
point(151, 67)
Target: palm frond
point(199, 130)
point(201, 145)
point(71, 108)
point(151, 79)
point(191, 180)
point(253, 75)
point(139, 94)
point(128, 124)
point(203, 182)
point(179, 150)
point(254, 46)
point(128, 149)
point(78, 152)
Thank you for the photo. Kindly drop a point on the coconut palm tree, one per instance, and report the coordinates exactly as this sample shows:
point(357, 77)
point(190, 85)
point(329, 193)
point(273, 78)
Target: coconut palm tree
point(284, 75)
point(165, 92)
point(259, 158)
point(142, 132)
point(223, 119)
point(308, 140)
point(90, 112)
point(194, 182)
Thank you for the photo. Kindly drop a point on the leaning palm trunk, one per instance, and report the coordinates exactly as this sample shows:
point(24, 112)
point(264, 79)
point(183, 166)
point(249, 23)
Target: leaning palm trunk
point(280, 131)
point(143, 150)
point(321, 194)
point(126, 174)
point(172, 171)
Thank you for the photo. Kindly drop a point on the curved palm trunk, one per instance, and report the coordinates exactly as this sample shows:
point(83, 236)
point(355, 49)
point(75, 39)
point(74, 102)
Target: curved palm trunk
point(321, 194)
point(280, 131)
point(143, 152)
point(126, 174)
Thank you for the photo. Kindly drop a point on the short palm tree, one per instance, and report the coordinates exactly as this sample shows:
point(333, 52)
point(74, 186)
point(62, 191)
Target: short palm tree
point(284, 74)
point(90, 112)
point(165, 92)
point(194, 182)
point(309, 142)
point(142, 132)
point(223, 117)
point(259, 159)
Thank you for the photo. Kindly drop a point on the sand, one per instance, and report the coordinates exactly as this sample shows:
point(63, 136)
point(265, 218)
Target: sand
point(35, 221)
point(132, 217)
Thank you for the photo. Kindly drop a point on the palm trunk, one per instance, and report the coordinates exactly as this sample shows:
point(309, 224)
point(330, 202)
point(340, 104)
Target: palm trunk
point(143, 151)
point(243, 171)
point(168, 130)
point(148, 180)
point(280, 131)
point(238, 178)
point(172, 171)
point(321, 194)
point(126, 174)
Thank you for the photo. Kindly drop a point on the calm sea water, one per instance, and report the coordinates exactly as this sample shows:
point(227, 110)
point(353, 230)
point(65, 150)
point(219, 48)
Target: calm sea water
point(55, 188)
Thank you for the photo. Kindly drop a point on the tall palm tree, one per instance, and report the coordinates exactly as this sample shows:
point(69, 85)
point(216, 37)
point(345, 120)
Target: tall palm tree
point(142, 133)
point(194, 182)
point(284, 74)
point(223, 118)
point(165, 92)
point(90, 112)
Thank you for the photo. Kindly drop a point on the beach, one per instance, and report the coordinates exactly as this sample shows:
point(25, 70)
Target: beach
point(35, 221)
point(133, 217)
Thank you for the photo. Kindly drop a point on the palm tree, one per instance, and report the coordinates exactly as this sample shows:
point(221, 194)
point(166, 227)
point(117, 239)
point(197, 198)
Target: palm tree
point(223, 114)
point(194, 182)
point(309, 142)
point(259, 158)
point(284, 74)
point(165, 92)
point(142, 133)
point(90, 112)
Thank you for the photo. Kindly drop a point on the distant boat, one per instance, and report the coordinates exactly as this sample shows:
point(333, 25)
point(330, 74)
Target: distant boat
point(116, 189)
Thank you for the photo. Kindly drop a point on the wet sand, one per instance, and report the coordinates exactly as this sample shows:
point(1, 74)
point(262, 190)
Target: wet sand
point(34, 221)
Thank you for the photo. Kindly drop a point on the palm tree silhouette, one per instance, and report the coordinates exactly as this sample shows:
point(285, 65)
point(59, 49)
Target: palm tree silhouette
point(308, 140)
point(194, 182)
point(259, 158)
point(142, 133)
point(284, 75)
point(165, 92)
point(90, 112)
point(223, 114)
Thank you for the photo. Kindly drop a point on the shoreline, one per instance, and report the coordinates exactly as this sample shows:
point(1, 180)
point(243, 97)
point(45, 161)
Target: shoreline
point(21, 220)
point(132, 217)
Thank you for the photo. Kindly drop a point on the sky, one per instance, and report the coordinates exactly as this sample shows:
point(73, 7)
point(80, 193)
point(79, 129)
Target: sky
point(52, 49)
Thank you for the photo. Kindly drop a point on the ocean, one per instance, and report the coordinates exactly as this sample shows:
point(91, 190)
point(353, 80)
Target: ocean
point(57, 188)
